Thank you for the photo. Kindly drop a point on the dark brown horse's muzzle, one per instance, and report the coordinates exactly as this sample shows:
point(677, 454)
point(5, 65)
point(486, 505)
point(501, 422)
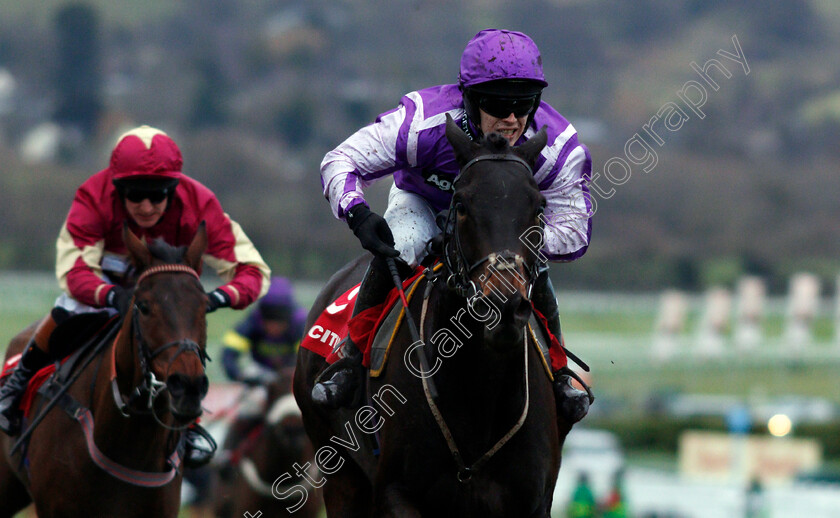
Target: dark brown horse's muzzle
point(186, 393)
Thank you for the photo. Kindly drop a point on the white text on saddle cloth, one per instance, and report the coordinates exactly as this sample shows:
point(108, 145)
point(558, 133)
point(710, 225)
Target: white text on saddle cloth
point(325, 335)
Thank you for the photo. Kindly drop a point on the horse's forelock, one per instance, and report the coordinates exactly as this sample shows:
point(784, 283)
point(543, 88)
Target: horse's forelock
point(496, 143)
point(167, 253)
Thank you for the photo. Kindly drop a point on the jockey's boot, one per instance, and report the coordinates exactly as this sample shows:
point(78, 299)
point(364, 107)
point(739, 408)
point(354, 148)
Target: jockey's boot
point(572, 404)
point(199, 446)
point(33, 359)
point(342, 379)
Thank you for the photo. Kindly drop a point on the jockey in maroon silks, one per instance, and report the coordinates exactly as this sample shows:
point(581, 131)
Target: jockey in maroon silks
point(144, 187)
point(499, 90)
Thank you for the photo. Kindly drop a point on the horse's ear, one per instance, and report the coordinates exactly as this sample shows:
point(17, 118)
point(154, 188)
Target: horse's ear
point(460, 141)
point(197, 247)
point(137, 250)
point(531, 148)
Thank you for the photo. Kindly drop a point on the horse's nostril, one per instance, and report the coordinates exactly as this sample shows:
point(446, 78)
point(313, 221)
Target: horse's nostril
point(183, 385)
point(175, 383)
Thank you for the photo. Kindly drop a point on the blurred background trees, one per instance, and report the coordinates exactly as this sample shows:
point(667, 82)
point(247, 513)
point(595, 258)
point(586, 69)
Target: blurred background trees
point(256, 92)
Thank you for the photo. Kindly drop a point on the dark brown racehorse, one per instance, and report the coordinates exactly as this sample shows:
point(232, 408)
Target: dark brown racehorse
point(260, 472)
point(480, 438)
point(134, 400)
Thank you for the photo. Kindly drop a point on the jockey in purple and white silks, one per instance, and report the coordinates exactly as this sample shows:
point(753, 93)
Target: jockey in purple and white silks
point(499, 90)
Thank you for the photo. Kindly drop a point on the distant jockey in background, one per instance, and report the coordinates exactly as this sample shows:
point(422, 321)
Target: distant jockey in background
point(143, 187)
point(267, 339)
point(268, 336)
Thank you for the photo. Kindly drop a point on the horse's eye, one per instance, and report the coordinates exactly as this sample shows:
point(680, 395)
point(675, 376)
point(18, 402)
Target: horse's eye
point(143, 307)
point(460, 208)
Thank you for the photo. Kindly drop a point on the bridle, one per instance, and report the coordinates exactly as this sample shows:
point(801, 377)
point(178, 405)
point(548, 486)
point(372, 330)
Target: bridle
point(150, 387)
point(460, 269)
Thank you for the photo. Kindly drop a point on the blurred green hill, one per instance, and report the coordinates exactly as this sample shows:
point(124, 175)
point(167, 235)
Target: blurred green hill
point(256, 92)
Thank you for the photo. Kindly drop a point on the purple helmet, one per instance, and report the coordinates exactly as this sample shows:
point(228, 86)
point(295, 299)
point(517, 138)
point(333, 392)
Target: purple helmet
point(495, 54)
point(500, 63)
point(278, 303)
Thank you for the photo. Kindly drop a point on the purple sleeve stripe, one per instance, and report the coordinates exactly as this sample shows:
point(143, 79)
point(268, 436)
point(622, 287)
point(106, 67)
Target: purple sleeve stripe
point(586, 174)
point(560, 162)
point(350, 183)
point(401, 154)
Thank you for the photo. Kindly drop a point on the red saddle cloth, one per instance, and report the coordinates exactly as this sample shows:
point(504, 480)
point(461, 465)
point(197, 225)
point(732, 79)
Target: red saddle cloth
point(34, 384)
point(335, 323)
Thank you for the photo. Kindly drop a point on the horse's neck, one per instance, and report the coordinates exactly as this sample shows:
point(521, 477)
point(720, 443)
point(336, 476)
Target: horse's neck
point(473, 363)
point(137, 441)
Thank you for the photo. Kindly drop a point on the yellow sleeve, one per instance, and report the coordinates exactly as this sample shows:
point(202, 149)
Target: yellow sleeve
point(237, 342)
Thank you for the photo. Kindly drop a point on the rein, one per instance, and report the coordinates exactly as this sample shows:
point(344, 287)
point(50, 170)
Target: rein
point(465, 472)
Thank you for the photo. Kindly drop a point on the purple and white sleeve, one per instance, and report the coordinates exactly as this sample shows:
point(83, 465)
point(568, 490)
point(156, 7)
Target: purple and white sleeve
point(563, 181)
point(366, 156)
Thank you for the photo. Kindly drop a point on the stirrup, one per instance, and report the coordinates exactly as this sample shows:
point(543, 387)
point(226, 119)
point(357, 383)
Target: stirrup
point(572, 374)
point(200, 447)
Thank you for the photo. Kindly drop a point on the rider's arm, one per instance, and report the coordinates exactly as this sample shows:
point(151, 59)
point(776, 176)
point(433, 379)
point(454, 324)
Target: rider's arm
point(81, 244)
point(234, 344)
point(563, 172)
point(367, 155)
point(231, 253)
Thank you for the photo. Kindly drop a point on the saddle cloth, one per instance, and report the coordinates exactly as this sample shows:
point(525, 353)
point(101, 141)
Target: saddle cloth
point(34, 384)
point(335, 322)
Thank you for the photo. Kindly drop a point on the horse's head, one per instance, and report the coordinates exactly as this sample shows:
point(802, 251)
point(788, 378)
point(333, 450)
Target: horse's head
point(496, 202)
point(167, 323)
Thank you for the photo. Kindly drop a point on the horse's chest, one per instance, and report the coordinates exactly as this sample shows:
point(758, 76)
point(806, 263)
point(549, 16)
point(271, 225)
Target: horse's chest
point(484, 497)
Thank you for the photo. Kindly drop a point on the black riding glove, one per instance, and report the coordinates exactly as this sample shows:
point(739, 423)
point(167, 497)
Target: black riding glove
point(217, 299)
point(119, 298)
point(372, 231)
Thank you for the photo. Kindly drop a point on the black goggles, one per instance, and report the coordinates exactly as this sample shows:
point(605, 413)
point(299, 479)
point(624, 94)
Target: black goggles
point(502, 107)
point(155, 196)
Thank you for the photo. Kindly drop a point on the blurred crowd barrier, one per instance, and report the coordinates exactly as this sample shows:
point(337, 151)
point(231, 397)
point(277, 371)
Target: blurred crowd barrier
point(731, 320)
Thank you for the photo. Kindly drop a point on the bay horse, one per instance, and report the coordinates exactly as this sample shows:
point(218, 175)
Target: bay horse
point(488, 443)
point(117, 451)
point(259, 454)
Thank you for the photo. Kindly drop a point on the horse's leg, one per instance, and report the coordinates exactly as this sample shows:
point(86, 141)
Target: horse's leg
point(347, 493)
point(392, 503)
point(13, 494)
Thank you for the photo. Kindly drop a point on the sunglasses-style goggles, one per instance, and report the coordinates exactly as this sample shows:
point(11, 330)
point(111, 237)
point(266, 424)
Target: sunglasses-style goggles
point(136, 195)
point(502, 107)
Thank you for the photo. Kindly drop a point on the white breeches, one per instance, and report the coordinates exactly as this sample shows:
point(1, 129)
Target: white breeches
point(412, 222)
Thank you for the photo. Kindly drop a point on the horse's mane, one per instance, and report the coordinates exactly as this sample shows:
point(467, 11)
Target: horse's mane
point(166, 252)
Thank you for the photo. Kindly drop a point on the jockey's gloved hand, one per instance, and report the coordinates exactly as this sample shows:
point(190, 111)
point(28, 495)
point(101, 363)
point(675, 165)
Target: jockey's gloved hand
point(217, 299)
point(119, 298)
point(372, 231)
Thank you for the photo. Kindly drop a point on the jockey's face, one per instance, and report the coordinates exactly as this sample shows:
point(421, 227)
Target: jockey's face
point(275, 328)
point(145, 212)
point(510, 127)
